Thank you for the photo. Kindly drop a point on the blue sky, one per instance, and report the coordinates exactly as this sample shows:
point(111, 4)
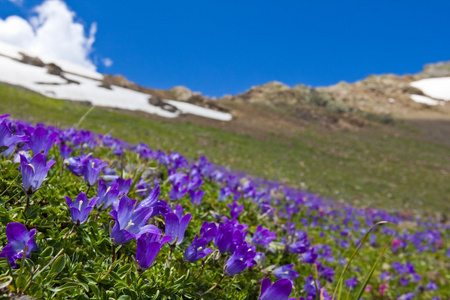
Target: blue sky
point(226, 47)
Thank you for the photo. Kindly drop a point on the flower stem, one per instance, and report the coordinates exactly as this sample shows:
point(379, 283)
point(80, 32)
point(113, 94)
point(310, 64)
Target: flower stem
point(112, 262)
point(12, 276)
point(216, 285)
point(170, 255)
point(27, 203)
point(71, 231)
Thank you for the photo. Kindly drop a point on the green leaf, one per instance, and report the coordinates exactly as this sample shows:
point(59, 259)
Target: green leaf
point(58, 265)
point(65, 287)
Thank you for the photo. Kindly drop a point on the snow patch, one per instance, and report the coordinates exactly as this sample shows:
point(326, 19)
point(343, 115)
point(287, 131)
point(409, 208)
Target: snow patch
point(13, 52)
point(426, 100)
point(37, 79)
point(438, 88)
point(188, 108)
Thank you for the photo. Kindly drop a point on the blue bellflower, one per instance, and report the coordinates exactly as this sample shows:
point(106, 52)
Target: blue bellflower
point(130, 223)
point(7, 139)
point(196, 197)
point(208, 231)
point(19, 238)
point(241, 259)
point(197, 249)
point(286, 272)
point(235, 210)
point(41, 141)
point(176, 224)
point(263, 236)
point(34, 172)
point(106, 194)
point(80, 208)
point(280, 290)
point(148, 247)
point(92, 169)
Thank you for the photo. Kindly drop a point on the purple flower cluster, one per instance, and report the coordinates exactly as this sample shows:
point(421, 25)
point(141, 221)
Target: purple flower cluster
point(343, 226)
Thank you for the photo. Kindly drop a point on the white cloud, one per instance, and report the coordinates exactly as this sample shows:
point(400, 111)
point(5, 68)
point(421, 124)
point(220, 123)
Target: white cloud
point(107, 62)
point(51, 32)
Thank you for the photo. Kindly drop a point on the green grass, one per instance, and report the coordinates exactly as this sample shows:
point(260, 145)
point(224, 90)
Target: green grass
point(373, 166)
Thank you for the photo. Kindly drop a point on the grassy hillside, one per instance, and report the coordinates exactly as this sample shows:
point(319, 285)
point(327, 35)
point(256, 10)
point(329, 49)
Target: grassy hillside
point(386, 167)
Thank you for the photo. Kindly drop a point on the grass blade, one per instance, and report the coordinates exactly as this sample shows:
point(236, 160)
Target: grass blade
point(341, 278)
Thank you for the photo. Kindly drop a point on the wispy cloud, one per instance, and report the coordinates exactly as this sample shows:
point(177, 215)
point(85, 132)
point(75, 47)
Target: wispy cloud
point(107, 62)
point(17, 2)
point(52, 31)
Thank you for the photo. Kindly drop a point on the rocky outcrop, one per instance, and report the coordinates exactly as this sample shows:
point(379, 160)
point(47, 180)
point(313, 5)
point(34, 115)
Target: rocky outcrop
point(181, 93)
point(159, 102)
point(378, 94)
point(30, 60)
point(122, 81)
point(202, 101)
point(440, 69)
point(278, 94)
point(54, 69)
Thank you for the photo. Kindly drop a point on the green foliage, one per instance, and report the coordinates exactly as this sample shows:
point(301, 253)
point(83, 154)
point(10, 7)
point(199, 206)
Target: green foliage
point(73, 261)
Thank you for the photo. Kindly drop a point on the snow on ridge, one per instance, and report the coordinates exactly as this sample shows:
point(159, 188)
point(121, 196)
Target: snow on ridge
point(69, 67)
point(438, 88)
point(37, 79)
point(188, 108)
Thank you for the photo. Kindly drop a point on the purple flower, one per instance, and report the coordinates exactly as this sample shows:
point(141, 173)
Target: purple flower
point(142, 188)
point(195, 182)
point(92, 169)
point(351, 283)
point(19, 238)
point(80, 208)
point(65, 151)
point(260, 258)
point(235, 210)
point(431, 286)
point(285, 272)
point(148, 247)
point(179, 185)
point(416, 277)
point(309, 256)
point(407, 296)
point(208, 231)
point(41, 141)
point(302, 244)
point(77, 164)
point(7, 139)
point(196, 196)
point(130, 223)
point(106, 194)
point(124, 185)
point(263, 236)
point(224, 237)
point(325, 272)
point(197, 249)
point(241, 259)
point(280, 290)
point(224, 193)
point(176, 224)
point(403, 281)
point(34, 172)
point(160, 207)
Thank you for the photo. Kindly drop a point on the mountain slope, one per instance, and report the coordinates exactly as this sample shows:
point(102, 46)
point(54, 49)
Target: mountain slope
point(384, 166)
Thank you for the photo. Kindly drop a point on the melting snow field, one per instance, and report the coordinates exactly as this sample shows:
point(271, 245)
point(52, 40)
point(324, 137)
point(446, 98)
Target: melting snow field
point(426, 100)
point(37, 79)
point(438, 88)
